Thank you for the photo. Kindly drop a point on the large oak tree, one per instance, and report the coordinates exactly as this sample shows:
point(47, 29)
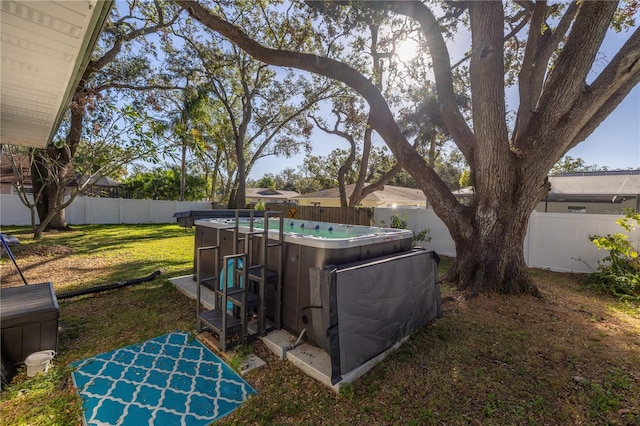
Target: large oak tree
point(559, 107)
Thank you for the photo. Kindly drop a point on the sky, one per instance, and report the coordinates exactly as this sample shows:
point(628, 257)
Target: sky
point(614, 144)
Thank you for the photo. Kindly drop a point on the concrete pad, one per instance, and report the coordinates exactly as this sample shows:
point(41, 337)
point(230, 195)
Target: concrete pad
point(187, 286)
point(312, 360)
point(316, 363)
point(278, 341)
point(250, 363)
point(359, 371)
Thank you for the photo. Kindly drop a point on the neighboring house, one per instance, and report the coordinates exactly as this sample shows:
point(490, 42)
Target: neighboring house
point(99, 187)
point(605, 192)
point(464, 195)
point(389, 196)
point(103, 186)
point(7, 177)
point(269, 195)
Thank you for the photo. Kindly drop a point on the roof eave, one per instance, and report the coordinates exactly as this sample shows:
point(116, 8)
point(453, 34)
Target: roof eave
point(98, 19)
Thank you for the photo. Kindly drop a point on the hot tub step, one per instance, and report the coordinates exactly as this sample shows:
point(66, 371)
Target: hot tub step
point(234, 295)
point(210, 283)
point(213, 320)
point(255, 274)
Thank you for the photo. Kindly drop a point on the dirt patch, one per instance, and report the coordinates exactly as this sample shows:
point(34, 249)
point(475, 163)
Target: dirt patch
point(44, 250)
point(53, 263)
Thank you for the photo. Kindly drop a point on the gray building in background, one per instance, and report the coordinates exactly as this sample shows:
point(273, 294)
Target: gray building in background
point(602, 192)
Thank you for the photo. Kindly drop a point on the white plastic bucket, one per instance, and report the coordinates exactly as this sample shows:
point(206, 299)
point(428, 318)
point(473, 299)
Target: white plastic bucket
point(38, 362)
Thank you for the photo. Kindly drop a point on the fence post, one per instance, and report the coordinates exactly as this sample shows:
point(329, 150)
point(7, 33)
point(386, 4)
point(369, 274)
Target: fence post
point(87, 211)
point(530, 241)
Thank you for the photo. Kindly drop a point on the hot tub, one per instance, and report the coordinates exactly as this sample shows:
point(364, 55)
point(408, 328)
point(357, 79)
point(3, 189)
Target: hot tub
point(307, 246)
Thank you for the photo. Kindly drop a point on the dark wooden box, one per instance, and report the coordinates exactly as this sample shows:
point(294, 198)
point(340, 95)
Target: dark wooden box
point(29, 321)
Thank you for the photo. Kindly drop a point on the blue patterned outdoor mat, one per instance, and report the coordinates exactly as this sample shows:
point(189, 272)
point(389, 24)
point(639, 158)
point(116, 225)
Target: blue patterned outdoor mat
point(170, 380)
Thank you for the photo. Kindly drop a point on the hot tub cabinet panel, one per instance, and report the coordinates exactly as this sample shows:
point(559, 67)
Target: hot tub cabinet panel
point(296, 306)
point(205, 237)
point(300, 253)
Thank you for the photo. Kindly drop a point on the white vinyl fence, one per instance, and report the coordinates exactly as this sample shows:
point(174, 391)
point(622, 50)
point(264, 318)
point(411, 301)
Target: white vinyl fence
point(555, 241)
point(89, 210)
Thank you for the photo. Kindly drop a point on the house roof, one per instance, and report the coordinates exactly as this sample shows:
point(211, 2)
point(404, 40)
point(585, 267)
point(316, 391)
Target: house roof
point(7, 175)
point(270, 193)
point(103, 181)
point(6, 170)
point(388, 194)
point(466, 191)
point(602, 186)
point(46, 46)
point(611, 186)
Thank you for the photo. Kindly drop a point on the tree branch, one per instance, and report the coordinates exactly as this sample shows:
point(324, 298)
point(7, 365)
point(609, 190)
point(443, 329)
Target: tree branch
point(615, 82)
point(514, 31)
point(382, 118)
point(286, 120)
point(526, 87)
point(98, 64)
point(460, 131)
point(526, 5)
point(567, 79)
point(382, 181)
point(342, 171)
point(540, 47)
point(550, 42)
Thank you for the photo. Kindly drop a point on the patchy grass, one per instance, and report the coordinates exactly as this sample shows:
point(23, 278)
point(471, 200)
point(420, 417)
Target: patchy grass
point(92, 324)
point(100, 254)
point(571, 357)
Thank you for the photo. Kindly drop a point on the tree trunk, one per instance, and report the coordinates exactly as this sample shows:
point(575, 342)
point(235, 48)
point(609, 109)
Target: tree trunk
point(356, 195)
point(183, 171)
point(233, 200)
point(492, 258)
point(52, 170)
point(214, 178)
point(39, 174)
point(56, 199)
point(241, 191)
point(50, 179)
point(489, 234)
point(342, 173)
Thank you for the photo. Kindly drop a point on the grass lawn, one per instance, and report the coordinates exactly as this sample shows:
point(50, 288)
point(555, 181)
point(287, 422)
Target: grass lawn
point(571, 357)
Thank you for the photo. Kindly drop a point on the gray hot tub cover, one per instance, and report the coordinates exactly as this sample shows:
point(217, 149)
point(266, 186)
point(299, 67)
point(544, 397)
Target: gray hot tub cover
point(367, 307)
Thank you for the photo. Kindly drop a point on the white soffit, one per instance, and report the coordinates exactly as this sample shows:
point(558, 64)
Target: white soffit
point(46, 46)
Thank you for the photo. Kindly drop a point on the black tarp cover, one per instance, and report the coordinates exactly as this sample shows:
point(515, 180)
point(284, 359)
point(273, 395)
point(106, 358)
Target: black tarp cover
point(364, 308)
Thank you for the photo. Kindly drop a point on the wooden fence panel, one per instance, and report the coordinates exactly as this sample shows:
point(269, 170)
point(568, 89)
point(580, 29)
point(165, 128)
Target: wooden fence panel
point(346, 215)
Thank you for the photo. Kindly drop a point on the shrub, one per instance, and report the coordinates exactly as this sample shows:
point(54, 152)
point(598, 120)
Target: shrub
point(398, 222)
point(620, 273)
